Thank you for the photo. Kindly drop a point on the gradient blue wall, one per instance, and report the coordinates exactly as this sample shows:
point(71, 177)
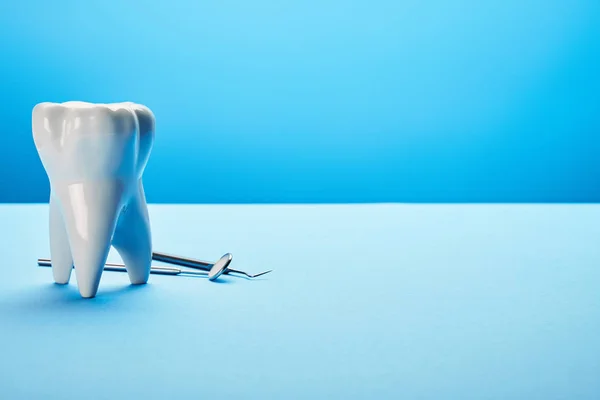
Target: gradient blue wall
point(321, 101)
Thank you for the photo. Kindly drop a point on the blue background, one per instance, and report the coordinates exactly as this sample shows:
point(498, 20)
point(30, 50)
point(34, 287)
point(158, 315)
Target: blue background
point(321, 101)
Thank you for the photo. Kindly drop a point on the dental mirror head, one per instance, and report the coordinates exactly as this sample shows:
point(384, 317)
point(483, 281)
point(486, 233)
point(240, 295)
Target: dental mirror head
point(219, 267)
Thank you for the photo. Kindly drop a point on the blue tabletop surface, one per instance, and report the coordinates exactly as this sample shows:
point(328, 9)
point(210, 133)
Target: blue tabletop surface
point(366, 301)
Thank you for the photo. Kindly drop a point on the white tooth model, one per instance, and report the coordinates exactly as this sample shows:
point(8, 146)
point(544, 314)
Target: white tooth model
point(94, 155)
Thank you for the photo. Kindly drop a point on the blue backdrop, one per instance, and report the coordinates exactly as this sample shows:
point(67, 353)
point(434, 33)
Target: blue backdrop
point(321, 101)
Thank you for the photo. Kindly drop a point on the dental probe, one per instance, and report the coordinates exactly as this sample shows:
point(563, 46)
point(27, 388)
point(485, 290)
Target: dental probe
point(216, 270)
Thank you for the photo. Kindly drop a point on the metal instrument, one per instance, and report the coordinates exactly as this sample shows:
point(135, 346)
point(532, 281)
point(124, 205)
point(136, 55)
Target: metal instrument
point(212, 274)
point(202, 265)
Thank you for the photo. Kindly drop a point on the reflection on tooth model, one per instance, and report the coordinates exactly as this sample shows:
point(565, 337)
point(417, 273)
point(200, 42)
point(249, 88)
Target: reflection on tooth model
point(94, 156)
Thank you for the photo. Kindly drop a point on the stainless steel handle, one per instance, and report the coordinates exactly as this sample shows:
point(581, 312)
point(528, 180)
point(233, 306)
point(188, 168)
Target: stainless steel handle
point(182, 261)
point(44, 262)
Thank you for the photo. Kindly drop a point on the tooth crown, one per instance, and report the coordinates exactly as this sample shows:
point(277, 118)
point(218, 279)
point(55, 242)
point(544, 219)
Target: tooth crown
point(94, 156)
point(92, 141)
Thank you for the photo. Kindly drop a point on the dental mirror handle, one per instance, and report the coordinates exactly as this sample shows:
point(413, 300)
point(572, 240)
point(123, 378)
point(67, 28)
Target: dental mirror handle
point(183, 261)
point(153, 270)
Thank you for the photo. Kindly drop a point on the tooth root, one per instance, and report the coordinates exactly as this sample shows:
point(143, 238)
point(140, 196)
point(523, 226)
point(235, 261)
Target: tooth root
point(60, 252)
point(133, 239)
point(90, 211)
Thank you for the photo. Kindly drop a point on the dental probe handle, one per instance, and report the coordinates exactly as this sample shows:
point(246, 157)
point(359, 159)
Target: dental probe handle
point(44, 262)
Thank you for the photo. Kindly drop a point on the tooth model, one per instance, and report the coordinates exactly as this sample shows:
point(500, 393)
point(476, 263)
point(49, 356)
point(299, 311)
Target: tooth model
point(94, 156)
